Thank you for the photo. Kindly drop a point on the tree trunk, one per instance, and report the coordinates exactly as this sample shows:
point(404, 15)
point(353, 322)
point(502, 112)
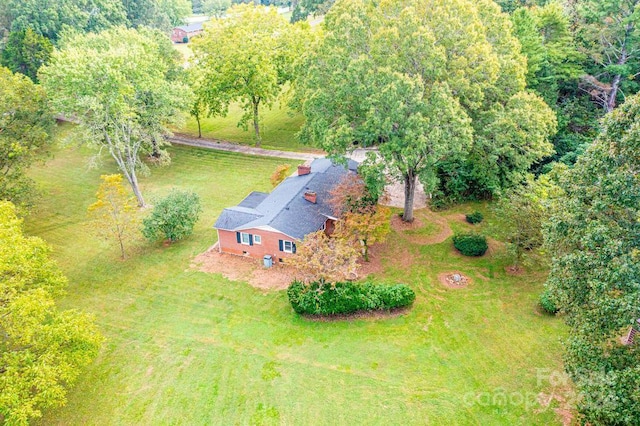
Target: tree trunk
point(256, 123)
point(199, 128)
point(155, 151)
point(613, 93)
point(122, 253)
point(133, 181)
point(409, 194)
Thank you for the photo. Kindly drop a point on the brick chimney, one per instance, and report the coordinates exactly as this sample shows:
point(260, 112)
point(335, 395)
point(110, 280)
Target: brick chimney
point(311, 197)
point(304, 170)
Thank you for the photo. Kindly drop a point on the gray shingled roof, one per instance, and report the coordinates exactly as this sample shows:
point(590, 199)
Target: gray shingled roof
point(196, 26)
point(285, 208)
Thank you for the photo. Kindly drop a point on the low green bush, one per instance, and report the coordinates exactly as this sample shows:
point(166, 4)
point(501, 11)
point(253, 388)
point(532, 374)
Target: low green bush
point(172, 217)
point(546, 303)
point(470, 244)
point(323, 298)
point(475, 217)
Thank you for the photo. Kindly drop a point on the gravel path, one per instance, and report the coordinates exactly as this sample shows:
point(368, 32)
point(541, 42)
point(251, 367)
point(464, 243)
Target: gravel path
point(222, 145)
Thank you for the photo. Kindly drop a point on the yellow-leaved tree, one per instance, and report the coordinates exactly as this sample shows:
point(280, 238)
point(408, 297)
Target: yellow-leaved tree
point(114, 212)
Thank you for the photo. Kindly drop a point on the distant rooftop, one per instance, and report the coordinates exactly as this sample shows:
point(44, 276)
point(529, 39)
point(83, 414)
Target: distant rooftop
point(285, 209)
point(195, 26)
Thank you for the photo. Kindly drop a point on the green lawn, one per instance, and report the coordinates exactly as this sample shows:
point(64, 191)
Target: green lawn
point(185, 347)
point(278, 128)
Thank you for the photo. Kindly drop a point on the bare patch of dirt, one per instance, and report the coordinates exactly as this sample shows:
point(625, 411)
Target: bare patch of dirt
point(514, 270)
point(420, 218)
point(365, 315)
point(397, 224)
point(374, 265)
point(240, 268)
point(564, 410)
point(454, 279)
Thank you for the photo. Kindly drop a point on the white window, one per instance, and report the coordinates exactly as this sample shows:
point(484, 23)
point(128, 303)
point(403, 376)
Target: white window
point(287, 246)
point(257, 239)
point(245, 239)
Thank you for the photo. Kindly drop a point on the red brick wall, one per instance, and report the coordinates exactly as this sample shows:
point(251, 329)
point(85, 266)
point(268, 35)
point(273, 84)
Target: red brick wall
point(178, 35)
point(270, 245)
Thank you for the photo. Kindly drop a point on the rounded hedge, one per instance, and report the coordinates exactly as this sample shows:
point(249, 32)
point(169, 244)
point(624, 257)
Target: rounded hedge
point(546, 303)
point(470, 244)
point(323, 298)
point(475, 217)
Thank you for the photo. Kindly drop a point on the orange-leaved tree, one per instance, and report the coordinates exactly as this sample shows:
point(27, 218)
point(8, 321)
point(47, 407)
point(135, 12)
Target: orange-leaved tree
point(320, 257)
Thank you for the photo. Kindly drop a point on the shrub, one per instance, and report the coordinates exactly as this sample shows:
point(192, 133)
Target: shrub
point(324, 298)
point(546, 303)
point(173, 217)
point(475, 217)
point(470, 244)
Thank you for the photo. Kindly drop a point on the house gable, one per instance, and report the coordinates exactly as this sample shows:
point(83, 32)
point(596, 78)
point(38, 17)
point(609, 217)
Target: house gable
point(286, 211)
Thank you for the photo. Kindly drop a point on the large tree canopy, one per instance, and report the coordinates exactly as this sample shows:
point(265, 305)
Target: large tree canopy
point(120, 85)
point(593, 237)
point(26, 125)
point(42, 349)
point(610, 35)
point(246, 57)
point(427, 83)
point(161, 14)
point(50, 18)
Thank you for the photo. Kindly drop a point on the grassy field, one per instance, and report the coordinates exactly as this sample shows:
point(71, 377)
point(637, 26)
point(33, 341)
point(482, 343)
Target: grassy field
point(185, 347)
point(278, 127)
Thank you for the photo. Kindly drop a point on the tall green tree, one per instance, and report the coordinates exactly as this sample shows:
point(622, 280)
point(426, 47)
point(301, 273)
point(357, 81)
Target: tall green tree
point(547, 40)
point(25, 52)
point(42, 349)
point(121, 87)
point(26, 126)
point(593, 237)
point(610, 35)
point(49, 18)
point(246, 57)
point(418, 80)
point(160, 14)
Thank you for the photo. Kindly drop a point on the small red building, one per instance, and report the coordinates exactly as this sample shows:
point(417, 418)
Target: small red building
point(273, 223)
point(183, 33)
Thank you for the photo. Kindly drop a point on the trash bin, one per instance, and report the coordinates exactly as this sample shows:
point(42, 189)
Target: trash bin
point(268, 261)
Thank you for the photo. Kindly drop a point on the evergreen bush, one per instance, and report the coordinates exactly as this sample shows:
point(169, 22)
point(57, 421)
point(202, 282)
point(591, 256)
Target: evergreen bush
point(475, 217)
point(324, 298)
point(470, 244)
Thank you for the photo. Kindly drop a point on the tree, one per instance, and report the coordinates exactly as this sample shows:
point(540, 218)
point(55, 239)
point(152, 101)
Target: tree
point(366, 226)
point(26, 126)
point(323, 258)
point(593, 237)
point(246, 57)
point(523, 210)
point(121, 86)
point(50, 18)
point(215, 8)
point(173, 217)
point(43, 349)
point(25, 52)
point(610, 34)
point(160, 14)
point(547, 41)
point(280, 174)
point(114, 212)
point(418, 84)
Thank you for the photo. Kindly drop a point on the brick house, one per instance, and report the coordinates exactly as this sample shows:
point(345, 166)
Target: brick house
point(273, 223)
point(178, 34)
